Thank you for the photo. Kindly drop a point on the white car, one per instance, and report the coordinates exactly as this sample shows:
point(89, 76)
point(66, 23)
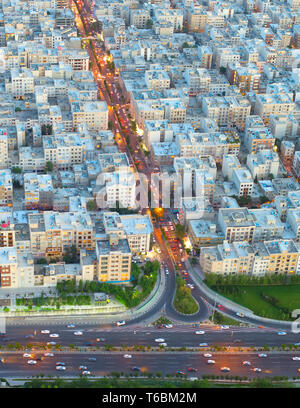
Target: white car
point(26, 355)
point(246, 363)
point(211, 362)
point(45, 331)
point(120, 323)
point(207, 355)
point(60, 368)
point(86, 372)
point(203, 344)
point(296, 358)
point(49, 355)
point(55, 335)
point(158, 250)
point(239, 314)
point(127, 356)
point(258, 370)
point(225, 327)
point(71, 326)
point(262, 355)
point(168, 326)
point(159, 340)
point(199, 332)
point(31, 362)
point(281, 333)
point(78, 333)
point(82, 367)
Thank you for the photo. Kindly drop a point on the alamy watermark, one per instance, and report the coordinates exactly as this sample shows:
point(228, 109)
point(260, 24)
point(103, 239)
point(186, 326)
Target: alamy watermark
point(125, 189)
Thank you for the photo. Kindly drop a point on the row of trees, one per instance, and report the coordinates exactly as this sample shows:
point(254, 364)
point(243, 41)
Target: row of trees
point(216, 280)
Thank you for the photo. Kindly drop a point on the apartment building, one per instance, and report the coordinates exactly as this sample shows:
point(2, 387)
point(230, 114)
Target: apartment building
point(270, 257)
point(6, 188)
point(257, 136)
point(242, 181)
point(66, 149)
point(236, 224)
point(113, 260)
point(3, 149)
point(38, 190)
point(20, 82)
point(137, 229)
point(139, 17)
point(262, 164)
point(94, 114)
point(267, 104)
point(227, 110)
point(16, 270)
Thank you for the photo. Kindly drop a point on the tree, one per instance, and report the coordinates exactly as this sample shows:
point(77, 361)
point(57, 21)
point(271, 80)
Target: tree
point(49, 167)
point(17, 109)
point(185, 45)
point(180, 231)
point(271, 176)
point(16, 170)
point(222, 70)
point(110, 125)
point(42, 261)
point(149, 24)
point(91, 205)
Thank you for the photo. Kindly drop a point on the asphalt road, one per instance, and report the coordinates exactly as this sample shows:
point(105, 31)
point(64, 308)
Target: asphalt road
point(174, 337)
point(16, 365)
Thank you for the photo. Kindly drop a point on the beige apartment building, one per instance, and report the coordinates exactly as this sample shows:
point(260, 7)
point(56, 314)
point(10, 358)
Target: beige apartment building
point(6, 188)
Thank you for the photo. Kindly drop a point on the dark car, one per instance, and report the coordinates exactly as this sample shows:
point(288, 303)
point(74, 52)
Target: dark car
point(192, 369)
point(135, 369)
point(92, 359)
point(237, 340)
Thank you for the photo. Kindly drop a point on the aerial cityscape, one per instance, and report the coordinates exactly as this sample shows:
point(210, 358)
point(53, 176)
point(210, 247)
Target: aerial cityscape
point(149, 194)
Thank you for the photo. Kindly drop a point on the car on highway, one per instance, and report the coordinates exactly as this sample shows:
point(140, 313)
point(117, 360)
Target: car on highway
point(26, 355)
point(85, 372)
point(78, 333)
point(60, 368)
point(192, 369)
point(54, 335)
point(239, 314)
point(92, 359)
point(51, 343)
point(45, 331)
point(262, 355)
point(60, 363)
point(82, 367)
point(246, 363)
point(49, 355)
point(220, 307)
point(120, 323)
point(281, 333)
point(127, 356)
point(100, 339)
point(71, 326)
point(257, 370)
point(224, 327)
point(203, 344)
point(135, 369)
point(31, 362)
point(159, 340)
point(225, 369)
point(179, 372)
point(207, 355)
point(29, 336)
point(168, 326)
point(199, 332)
point(296, 358)
point(211, 362)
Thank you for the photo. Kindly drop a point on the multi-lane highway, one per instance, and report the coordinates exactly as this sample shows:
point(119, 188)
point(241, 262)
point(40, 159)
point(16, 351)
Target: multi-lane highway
point(191, 364)
point(177, 336)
